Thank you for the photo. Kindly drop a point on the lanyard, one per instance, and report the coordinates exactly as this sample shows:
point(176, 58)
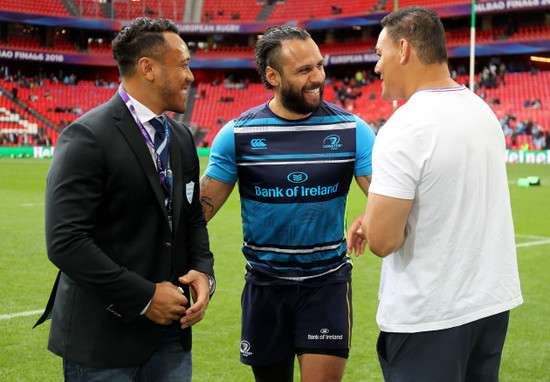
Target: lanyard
point(165, 175)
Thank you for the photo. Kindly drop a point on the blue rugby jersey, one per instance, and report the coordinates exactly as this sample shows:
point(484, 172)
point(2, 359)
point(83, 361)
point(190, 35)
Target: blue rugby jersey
point(294, 177)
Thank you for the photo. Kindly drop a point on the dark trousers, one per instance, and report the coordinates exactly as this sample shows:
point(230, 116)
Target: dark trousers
point(469, 352)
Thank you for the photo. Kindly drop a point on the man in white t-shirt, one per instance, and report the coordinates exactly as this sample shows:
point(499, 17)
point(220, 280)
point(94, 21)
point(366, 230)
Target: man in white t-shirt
point(439, 214)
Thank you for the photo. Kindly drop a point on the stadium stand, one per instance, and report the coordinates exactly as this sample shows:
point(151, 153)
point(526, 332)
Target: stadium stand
point(18, 127)
point(222, 11)
point(39, 7)
point(90, 8)
point(128, 10)
point(226, 52)
point(425, 3)
point(320, 9)
point(47, 105)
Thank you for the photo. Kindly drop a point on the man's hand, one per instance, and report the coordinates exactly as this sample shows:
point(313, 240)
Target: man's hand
point(200, 291)
point(356, 238)
point(167, 305)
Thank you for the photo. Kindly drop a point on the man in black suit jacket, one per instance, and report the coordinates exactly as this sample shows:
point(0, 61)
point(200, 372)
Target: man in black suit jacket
point(128, 249)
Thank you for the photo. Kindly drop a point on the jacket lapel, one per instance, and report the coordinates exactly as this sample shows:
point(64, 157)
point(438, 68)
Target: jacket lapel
point(127, 125)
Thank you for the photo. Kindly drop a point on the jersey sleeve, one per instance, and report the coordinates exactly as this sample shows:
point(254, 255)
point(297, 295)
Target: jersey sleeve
point(364, 144)
point(222, 164)
point(399, 156)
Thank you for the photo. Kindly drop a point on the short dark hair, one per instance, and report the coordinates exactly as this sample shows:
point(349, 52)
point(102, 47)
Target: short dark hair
point(268, 48)
point(142, 37)
point(422, 28)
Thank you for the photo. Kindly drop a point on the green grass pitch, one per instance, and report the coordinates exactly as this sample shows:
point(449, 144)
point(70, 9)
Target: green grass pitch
point(27, 276)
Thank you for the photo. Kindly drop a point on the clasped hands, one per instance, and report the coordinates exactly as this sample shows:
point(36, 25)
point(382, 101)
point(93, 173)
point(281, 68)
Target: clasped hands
point(168, 302)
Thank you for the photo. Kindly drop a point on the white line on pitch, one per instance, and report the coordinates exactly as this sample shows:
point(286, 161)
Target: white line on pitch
point(529, 244)
point(540, 242)
point(533, 237)
point(20, 314)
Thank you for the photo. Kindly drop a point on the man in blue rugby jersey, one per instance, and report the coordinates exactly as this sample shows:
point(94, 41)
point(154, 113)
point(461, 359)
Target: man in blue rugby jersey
point(294, 157)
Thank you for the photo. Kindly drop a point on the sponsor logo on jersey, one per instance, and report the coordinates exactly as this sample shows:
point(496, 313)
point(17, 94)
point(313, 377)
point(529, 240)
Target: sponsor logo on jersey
point(296, 191)
point(325, 336)
point(297, 177)
point(332, 142)
point(258, 144)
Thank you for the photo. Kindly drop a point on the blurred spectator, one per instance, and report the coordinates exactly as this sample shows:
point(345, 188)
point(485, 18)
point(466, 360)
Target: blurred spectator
point(24, 139)
point(533, 103)
point(528, 126)
point(539, 139)
point(520, 127)
point(501, 73)
point(524, 146)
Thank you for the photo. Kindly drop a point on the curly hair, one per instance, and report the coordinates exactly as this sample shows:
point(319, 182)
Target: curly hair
point(268, 48)
point(142, 37)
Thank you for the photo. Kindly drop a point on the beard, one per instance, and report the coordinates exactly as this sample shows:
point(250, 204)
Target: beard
point(172, 96)
point(295, 102)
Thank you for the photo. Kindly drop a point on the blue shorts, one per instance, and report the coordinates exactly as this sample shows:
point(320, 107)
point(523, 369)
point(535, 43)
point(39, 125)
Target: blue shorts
point(279, 321)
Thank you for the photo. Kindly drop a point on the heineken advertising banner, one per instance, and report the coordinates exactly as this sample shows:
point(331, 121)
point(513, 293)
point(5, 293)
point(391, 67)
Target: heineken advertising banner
point(520, 156)
point(47, 152)
point(27, 152)
point(511, 156)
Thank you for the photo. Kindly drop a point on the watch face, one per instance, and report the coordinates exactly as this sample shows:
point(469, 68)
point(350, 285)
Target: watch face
point(211, 283)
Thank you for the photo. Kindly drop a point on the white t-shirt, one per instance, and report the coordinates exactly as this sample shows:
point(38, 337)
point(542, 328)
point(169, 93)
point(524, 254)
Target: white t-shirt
point(445, 149)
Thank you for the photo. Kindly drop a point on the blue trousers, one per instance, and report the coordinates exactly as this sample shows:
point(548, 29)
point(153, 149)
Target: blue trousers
point(169, 363)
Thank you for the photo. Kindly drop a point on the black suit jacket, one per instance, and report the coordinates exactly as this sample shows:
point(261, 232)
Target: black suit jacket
point(108, 233)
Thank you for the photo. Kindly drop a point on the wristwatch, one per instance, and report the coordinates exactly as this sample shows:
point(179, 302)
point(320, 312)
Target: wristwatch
point(211, 284)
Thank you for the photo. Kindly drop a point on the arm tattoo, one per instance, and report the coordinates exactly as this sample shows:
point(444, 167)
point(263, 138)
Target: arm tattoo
point(207, 205)
point(205, 179)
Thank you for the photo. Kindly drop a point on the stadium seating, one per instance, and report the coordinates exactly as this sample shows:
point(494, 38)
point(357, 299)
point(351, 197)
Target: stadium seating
point(171, 9)
point(539, 32)
point(226, 52)
point(221, 105)
point(212, 113)
point(100, 49)
point(222, 11)
point(90, 8)
point(353, 47)
point(40, 7)
point(425, 3)
point(320, 9)
point(62, 104)
point(15, 120)
point(32, 43)
point(455, 37)
point(21, 43)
